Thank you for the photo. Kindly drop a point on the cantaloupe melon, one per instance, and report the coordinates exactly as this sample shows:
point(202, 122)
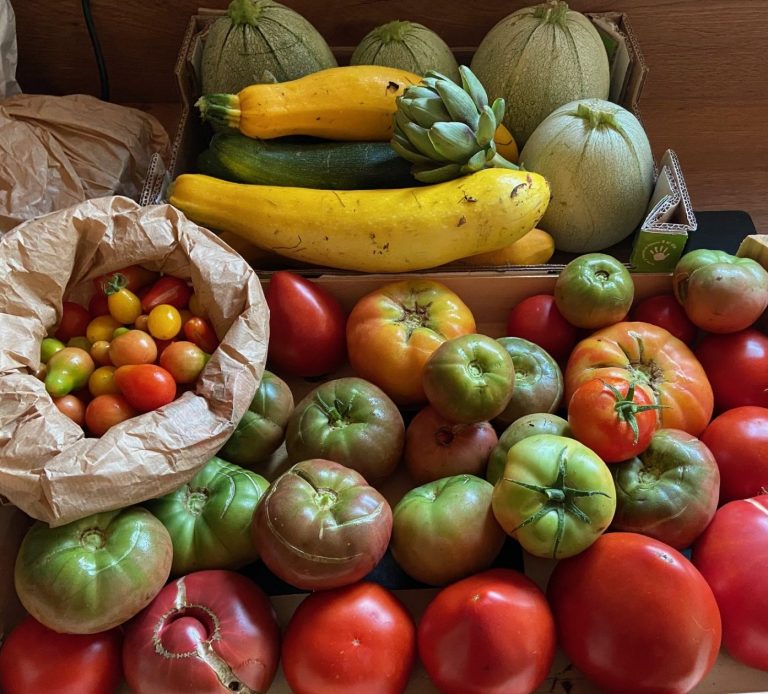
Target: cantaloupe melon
point(260, 41)
point(598, 161)
point(539, 58)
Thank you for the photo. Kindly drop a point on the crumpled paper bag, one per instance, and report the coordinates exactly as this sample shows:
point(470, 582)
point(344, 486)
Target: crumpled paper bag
point(48, 468)
point(56, 151)
point(8, 51)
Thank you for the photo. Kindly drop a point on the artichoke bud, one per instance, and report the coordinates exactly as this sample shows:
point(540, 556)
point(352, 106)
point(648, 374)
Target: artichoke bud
point(453, 141)
point(437, 175)
point(498, 108)
point(473, 87)
point(419, 138)
point(486, 128)
point(458, 103)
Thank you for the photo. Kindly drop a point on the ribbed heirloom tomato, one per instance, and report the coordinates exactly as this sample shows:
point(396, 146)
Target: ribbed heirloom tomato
point(393, 330)
point(652, 356)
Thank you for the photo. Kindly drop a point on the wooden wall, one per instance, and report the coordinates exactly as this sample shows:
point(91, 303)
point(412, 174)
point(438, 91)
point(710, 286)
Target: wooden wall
point(706, 96)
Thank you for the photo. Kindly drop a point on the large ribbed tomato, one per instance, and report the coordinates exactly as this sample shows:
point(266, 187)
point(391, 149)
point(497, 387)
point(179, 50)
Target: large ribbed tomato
point(647, 354)
point(393, 330)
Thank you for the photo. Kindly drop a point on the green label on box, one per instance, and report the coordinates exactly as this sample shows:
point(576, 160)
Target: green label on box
point(657, 251)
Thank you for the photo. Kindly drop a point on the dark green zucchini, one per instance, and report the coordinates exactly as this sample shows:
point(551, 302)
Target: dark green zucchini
point(316, 164)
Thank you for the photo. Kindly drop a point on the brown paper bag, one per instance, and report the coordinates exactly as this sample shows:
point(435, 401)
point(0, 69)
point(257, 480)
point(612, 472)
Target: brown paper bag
point(48, 468)
point(56, 151)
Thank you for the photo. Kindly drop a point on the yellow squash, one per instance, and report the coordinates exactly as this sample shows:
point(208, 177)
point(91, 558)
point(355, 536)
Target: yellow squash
point(393, 230)
point(536, 247)
point(340, 103)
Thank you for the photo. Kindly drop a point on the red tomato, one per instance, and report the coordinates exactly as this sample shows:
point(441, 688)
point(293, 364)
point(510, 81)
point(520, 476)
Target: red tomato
point(732, 554)
point(634, 615)
point(209, 631)
point(72, 406)
point(538, 320)
point(348, 640)
point(306, 327)
point(98, 305)
point(647, 354)
point(393, 331)
point(614, 418)
point(199, 331)
point(183, 360)
point(136, 277)
point(491, 633)
point(104, 411)
point(167, 290)
point(145, 386)
point(737, 367)
point(738, 439)
point(665, 311)
point(35, 658)
point(73, 323)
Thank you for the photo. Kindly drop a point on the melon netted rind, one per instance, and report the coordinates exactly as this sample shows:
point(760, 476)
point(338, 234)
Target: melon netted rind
point(598, 161)
point(260, 41)
point(409, 46)
point(539, 58)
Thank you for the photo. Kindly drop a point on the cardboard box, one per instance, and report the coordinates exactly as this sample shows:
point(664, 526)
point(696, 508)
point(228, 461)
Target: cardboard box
point(658, 242)
point(489, 295)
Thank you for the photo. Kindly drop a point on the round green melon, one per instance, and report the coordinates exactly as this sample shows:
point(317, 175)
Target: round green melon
point(260, 41)
point(598, 161)
point(539, 58)
point(408, 46)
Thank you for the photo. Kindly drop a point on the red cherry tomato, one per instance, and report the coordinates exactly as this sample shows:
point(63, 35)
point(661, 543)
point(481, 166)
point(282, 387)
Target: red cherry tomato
point(183, 360)
point(666, 312)
point(72, 406)
point(35, 658)
point(167, 290)
point(200, 331)
point(98, 305)
point(538, 320)
point(307, 327)
point(136, 278)
point(104, 411)
point(73, 323)
point(145, 386)
point(491, 633)
point(357, 638)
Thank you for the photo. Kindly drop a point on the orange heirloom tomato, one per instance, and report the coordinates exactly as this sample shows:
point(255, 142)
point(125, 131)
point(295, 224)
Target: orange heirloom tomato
point(393, 330)
point(649, 355)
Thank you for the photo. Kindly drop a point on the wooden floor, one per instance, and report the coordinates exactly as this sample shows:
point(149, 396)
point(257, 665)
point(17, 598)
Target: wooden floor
point(706, 96)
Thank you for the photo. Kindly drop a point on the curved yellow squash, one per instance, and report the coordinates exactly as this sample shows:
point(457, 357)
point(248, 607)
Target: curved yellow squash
point(341, 103)
point(393, 230)
point(536, 247)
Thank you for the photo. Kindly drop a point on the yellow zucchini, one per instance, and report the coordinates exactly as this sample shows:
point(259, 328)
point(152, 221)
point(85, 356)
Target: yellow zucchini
point(536, 247)
point(340, 103)
point(393, 230)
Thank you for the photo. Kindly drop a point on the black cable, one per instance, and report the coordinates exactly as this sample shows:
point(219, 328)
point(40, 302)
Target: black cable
point(100, 63)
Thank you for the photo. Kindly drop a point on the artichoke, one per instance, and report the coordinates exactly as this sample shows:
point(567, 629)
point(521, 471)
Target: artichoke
point(447, 130)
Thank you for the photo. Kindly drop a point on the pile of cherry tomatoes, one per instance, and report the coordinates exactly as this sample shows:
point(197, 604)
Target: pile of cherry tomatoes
point(143, 339)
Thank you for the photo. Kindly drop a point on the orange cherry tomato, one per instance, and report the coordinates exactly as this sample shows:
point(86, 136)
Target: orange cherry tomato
point(184, 361)
point(164, 322)
point(100, 352)
point(72, 406)
point(142, 323)
point(102, 382)
point(132, 347)
point(104, 411)
point(196, 306)
point(200, 331)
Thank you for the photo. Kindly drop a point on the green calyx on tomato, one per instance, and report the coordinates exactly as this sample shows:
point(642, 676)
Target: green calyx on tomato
point(627, 409)
point(556, 496)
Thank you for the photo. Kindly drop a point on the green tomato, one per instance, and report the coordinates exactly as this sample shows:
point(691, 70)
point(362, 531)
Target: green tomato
point(594, 290)
point(469, 379)
point(349, 421)
point(262, 428)
point(556, 496)
point(445, 530)
point(525, 426)
point(94, 573)
point(48, 347)
point(209, 518)
point(538, 380)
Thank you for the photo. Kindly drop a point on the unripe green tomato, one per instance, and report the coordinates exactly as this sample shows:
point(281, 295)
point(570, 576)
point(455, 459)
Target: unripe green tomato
point(48, 347)
point(68, 370)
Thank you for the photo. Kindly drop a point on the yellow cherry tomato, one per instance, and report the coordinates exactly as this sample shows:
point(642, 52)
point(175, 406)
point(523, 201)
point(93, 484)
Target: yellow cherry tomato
point(124, 306)
point(102, 381)
point(100, 353)
point(196, 306)
point(101, 328)
point(141, 323)
point(164, 322)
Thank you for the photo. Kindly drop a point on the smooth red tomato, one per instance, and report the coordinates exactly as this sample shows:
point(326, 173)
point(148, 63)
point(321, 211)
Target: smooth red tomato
point(306, 326)
point(135, 277)
point(98, 305)
point(104, 411)
point(614, 418)
point(145, 386)
point(74, 321)
point(200, 331)
point(35, 658)
point(491, 633)
point(650, 355)
point(737, 367)
point(634, 615)
point(538, 319)
point(132, 347)
point(167, 290)
point(666, 312)
point(738, 439)
point(732, 554)
point(183, 360)
point(393, 331)
point(349, 640)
